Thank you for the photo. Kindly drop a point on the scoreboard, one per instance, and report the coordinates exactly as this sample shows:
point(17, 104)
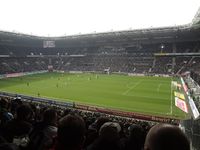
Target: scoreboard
point(49, 44)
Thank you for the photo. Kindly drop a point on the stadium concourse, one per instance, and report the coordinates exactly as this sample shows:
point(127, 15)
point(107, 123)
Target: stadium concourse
point(172, 51)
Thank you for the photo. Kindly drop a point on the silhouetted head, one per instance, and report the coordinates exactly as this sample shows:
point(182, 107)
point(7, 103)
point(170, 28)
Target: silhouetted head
point(110, 131)
point(24, 112)
point(166, 137)
point(50, 116)
point(3, 103)
point(71, 131)
point(100, 121)
point(136, 137)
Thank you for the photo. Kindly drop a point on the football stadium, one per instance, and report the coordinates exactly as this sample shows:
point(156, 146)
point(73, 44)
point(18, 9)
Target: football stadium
point(110, 88)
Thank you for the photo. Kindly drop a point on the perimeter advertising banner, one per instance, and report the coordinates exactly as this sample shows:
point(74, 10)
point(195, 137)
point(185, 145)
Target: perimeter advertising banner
point(121, 113)
point(184, 86)
point(181, 104)
point(193, 108)
point(179, 95)
point(14, 75)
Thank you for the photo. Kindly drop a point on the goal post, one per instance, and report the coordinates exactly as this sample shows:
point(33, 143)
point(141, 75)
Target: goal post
point(174, 85)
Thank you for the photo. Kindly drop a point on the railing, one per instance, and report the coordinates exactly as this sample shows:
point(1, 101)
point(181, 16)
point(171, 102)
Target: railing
point(192, 130)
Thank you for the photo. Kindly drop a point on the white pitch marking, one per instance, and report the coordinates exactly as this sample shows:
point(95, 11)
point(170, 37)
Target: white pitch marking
point(158, 89)
point(148, 97)
point(129, 89)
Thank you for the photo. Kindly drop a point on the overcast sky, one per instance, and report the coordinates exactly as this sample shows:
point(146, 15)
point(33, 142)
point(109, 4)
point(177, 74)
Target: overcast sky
point(68, 17)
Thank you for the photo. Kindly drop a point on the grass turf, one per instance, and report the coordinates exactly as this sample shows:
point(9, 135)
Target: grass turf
point(148, 95)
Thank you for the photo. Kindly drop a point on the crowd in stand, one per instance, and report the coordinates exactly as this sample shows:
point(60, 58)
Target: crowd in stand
point(132, 59)
point(36, 126)
point(17, 65)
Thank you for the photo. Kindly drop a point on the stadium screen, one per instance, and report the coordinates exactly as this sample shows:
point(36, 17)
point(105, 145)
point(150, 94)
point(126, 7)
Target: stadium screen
point(48, 44)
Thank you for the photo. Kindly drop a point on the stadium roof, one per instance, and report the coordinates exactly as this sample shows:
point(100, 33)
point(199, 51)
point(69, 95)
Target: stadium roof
point(196, 19)
point(120, 38)
point(77, 17)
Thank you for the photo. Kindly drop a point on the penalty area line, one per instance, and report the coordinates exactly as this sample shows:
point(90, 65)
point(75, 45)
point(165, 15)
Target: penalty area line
point(129, 89)
point(158, 88)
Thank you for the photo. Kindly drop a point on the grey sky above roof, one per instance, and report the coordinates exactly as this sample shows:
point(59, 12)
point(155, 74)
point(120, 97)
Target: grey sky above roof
point(69, 17)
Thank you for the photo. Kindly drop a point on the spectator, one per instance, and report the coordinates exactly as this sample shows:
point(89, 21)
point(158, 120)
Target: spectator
point(71, 133)
point(18, 129)
point(5, 115)
point(108, 139)
point(41, 137)
point(93, 130)
point(166, 137)
point(136, 138)
point(15, 103)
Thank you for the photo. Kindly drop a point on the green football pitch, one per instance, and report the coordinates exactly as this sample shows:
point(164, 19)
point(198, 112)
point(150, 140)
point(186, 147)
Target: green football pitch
point(148, 95)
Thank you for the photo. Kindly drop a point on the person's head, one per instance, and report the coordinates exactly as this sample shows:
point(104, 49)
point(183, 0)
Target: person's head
point(100, 121)
point(18, 100)
point(71, 132)
point(109, 138)
point(50, 116)
point(24, 112)
point(166, 137)
point(135, 131)
point(110, 131)
point(3, 103)
point(136, 136)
